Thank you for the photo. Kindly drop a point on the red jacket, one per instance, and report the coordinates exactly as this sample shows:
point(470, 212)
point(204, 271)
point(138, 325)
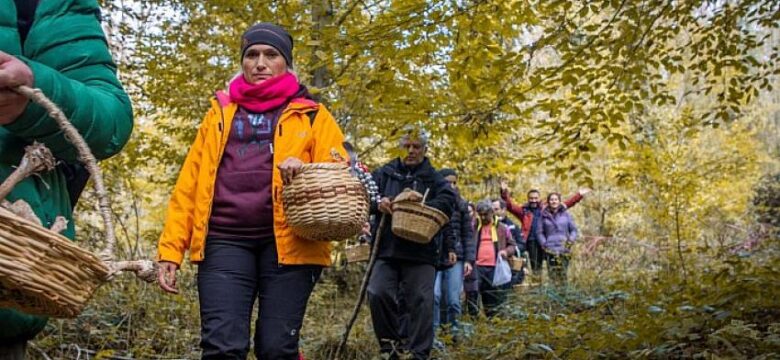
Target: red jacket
point(526, 215)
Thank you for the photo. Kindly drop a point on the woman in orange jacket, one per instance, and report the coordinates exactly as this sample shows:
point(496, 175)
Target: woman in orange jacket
point(226, 207)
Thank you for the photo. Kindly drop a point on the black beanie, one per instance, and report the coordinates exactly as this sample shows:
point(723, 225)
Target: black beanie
point(447, 172)
point(268, 34)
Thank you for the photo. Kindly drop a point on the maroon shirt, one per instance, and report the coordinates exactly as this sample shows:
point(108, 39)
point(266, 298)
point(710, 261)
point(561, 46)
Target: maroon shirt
point(242, 206)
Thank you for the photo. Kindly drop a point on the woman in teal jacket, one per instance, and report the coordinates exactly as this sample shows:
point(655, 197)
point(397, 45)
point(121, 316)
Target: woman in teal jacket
point(59, 47)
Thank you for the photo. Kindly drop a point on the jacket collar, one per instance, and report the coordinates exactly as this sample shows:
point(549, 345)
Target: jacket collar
point(547, 211)
point(424, 171)
point(222, 102)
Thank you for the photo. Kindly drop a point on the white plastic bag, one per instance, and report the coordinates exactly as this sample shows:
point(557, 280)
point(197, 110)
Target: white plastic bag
point(502, 274)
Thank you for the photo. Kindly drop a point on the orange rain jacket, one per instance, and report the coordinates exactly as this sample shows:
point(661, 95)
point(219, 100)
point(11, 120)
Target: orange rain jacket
point(189, 208)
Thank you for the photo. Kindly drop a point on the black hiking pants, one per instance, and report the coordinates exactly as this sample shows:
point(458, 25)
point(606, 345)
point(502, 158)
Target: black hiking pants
point(400, 296)
point(231, 276)
point(537, 255)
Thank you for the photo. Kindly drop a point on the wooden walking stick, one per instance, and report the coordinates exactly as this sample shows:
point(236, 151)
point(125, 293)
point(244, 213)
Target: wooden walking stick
point(363, 287)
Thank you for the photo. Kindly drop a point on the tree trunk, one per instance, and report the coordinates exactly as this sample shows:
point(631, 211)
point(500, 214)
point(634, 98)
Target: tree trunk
point(322, 16)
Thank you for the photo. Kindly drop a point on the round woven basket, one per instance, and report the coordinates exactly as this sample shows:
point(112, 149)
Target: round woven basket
point(42, 272)
point(325, 202)
point(417, 222)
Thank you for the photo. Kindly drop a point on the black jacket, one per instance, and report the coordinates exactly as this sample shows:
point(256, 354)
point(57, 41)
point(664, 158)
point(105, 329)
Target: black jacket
point(462, 232)
point(392, 179)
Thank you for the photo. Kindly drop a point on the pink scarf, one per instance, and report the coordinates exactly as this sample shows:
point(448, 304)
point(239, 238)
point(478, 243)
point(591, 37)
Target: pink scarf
point(265, 96)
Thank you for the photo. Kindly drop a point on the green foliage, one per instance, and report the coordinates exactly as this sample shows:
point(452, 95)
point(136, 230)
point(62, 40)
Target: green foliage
point(550, 80)
point(620, 304)
point(767, 200)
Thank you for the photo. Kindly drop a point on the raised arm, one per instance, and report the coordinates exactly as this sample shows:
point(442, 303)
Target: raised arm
point(576, 198)
point(511, 206)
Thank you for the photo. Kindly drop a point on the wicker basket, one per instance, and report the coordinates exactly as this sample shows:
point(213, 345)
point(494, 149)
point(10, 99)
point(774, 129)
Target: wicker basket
point(358, 253)
point(325, 202)
point(416, 222)
point(516, 263)
point(42, 272)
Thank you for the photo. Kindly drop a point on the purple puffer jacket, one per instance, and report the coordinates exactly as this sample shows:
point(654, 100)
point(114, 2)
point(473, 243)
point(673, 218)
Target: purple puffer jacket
point(555, 230)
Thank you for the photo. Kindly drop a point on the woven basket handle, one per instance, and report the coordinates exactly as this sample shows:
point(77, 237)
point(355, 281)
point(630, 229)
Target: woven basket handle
point(145, 270)
point(86, 157)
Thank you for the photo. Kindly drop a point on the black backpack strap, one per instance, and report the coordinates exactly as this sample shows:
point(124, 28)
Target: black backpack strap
point(25, 15)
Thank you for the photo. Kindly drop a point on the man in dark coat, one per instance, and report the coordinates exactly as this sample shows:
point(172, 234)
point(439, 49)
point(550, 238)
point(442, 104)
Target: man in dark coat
point(403, 275)
point(449, 282)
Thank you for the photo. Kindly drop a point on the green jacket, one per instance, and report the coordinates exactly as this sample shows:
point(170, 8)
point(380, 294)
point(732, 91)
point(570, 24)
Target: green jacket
point(68, 54)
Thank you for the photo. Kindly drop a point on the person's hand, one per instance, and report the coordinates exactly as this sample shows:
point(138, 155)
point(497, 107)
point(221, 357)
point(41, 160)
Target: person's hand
point(467, 268)
point(289, 168)
point(504, 186)
point(13, 72)
point(584, 191)
point(503, 254)
point(366, 230)
point(408, 195)
point(166, 276)
point(452, 258)
point(385, 205)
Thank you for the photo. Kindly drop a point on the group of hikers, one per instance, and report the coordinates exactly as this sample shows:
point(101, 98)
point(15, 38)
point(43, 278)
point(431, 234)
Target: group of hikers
point(482, 233)
point(405, 289)
point(226, 209)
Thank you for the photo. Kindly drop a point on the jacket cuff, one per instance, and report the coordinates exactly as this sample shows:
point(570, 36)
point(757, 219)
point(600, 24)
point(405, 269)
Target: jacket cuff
point(176, 258)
